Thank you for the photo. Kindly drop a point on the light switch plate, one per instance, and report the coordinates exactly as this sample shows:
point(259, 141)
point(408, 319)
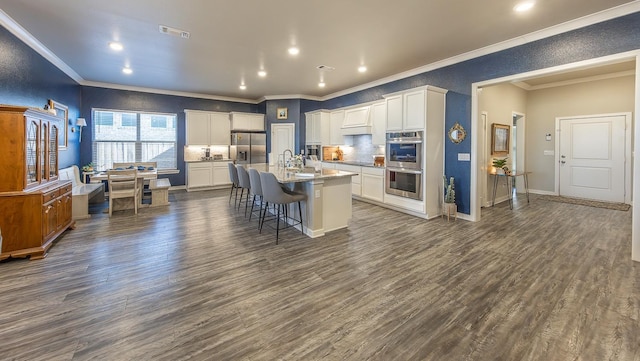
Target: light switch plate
point(549, 152)
point(466, 157)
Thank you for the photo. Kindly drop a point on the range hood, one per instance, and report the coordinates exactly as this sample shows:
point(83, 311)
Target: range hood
point(356, 121)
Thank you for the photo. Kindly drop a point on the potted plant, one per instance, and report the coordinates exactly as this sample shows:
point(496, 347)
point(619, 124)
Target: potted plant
point(449, 207)
point(501, 164)
point(88, 168)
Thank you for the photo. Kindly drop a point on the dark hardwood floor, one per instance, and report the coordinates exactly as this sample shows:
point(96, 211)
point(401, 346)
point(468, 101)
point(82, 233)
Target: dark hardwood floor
point(195, 280)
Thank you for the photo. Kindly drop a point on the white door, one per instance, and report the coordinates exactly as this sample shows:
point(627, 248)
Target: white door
point(592, 157)
point(282, 137)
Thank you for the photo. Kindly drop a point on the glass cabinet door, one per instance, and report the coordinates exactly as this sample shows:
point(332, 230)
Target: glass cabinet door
point(44, 137)
point(53, 152)
point(33, 128)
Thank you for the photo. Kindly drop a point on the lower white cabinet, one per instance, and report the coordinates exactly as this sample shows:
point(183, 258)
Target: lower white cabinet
point(221, 173)
point(203, 175)
point(356, 181)
point(373, 183)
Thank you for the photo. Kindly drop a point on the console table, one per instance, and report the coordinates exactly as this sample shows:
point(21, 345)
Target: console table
point(510, 179)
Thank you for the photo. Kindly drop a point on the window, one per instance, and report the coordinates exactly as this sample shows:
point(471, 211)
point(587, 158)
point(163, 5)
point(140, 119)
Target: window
point(120, 136)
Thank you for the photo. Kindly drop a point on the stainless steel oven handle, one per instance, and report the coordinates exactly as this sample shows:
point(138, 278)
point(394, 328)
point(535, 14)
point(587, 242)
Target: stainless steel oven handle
point(391, 141)
point(403, 170)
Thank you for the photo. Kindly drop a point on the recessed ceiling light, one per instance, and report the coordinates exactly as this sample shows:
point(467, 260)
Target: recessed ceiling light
point(262, 73)
point(116, 46)
point(524, 6)
point(321, 84)
point(362, 68)
point(127, 70)
point(294, 51)
point(243, 87)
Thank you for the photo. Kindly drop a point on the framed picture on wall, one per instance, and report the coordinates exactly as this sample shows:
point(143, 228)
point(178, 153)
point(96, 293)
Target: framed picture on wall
point(62, 112)
point(282, 113)
point(499, 139)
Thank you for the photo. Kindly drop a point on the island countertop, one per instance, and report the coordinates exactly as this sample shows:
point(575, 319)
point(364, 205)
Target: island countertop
point(286, 176)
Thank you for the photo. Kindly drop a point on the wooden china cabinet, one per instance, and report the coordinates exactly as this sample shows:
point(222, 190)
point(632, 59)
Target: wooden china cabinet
point(35, 207)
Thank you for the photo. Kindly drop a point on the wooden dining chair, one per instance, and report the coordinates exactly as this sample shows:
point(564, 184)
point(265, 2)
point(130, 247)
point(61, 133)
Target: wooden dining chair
point(123, 184)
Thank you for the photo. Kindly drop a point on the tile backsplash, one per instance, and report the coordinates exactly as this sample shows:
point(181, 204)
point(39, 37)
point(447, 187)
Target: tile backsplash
point(362, 150)
point(196, 152)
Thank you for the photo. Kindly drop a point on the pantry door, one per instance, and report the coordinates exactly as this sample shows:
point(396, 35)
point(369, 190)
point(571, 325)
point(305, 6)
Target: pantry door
point(282, 138)
point(592, 157)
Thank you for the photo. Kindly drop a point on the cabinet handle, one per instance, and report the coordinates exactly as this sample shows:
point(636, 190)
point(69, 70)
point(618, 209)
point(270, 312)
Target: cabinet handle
point(48, 209)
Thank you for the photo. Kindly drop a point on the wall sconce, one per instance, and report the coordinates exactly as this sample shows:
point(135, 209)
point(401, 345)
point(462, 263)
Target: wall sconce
point(80, 122)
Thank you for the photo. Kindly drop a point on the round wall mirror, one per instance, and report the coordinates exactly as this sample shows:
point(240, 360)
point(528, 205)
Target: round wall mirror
point(457, 133)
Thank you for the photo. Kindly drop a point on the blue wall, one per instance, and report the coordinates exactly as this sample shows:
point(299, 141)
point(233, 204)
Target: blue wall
point(28, 79)
point(93, 97)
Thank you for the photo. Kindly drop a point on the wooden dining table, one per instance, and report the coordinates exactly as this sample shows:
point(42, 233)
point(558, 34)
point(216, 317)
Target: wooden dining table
point(143, 177)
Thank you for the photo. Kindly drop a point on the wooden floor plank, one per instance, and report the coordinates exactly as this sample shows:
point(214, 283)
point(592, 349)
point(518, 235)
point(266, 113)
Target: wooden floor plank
point(195, 280)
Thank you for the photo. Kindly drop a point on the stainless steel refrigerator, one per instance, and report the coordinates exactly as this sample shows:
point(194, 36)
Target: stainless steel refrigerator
point(249, 148)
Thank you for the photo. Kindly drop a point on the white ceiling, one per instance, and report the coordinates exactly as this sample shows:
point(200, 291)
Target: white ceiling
point(231, 40)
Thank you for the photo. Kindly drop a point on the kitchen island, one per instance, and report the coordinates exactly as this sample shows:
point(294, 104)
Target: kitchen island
point(328, 205)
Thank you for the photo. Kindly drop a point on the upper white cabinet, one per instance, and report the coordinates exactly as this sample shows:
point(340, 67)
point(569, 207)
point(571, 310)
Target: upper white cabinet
point(318, 124)
point(378, 123)
point(409, 110)
point(207, 128)
point(247, 121)
point(336, 136)
point(394, 112)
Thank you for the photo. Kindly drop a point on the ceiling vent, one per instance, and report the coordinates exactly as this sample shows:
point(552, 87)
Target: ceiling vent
point(325, 67)
point(175, 32)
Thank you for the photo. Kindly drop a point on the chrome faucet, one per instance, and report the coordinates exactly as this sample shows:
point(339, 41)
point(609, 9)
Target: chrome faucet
point(284, 159)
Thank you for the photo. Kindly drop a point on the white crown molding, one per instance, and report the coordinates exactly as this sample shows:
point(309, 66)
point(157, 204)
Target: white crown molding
point(525, 86)
point(290, 96)
point(618, 11)
point(26, 37)
point(166, 92)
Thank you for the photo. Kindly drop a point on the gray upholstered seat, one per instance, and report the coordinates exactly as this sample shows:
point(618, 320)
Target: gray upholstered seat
point(233, 176)
point(256, 189)
point(244, 183)
point(273, 193)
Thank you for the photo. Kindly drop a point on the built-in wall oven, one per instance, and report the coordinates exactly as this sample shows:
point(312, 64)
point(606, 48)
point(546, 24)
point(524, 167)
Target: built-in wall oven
point(404, 182)
point(404, 164)
point(404, 150)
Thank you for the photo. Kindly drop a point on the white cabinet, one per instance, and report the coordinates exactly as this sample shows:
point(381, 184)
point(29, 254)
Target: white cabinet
point(221, 173)
point(336, 136)
point(318, 125)
point(356, 181)
point(414, 116)
point(394, 112)
point(204, 175)
point(421, 109)
point(373, 183)
point(328, 165)
point(410, 110)
point(207, 128)
point(247, 121)
point(378, 123)
point(199, 175)
point(356, 121)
